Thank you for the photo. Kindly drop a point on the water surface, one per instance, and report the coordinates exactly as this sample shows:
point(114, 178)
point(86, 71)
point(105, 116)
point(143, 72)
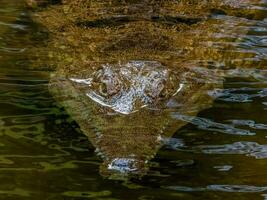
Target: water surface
point(222, 153)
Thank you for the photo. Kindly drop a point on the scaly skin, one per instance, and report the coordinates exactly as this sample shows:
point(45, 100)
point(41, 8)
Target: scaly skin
point(125, 108)
point(135, 136)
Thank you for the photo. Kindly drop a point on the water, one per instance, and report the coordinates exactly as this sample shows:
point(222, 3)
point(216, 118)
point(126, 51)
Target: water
point(222, 153)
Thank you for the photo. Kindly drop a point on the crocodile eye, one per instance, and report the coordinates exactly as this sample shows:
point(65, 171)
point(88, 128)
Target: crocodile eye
point(163, 94)
point(103, 89)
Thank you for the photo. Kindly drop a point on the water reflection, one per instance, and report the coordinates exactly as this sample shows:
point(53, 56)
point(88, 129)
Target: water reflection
point(241, 95)
point(137, 55)
point(220, 188)
point(223, 168)
point(43, 154)
point(250, 123)
point(209, 125)
point(248, 148)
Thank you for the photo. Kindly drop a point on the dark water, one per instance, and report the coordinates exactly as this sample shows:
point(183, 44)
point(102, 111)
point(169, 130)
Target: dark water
point(221, 154)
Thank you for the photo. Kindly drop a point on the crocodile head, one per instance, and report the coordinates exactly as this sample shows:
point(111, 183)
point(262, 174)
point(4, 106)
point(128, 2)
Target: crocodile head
point(126, 88)
point(125, 109)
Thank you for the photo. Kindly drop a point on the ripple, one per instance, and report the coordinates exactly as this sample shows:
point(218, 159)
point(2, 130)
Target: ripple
point(207, 124)
point(172, 143)
point(184, 188)
point(16, 192)
point(239, 95)
point(14, 26)
point(183, 163)
point(23, 119)
point(256, 44)
point(220, 188)
point(256, 74)
point(251, 149)
point(12, 50)
point(249, 123)
point(236, 188)
point(87, 194)
point(223, 168)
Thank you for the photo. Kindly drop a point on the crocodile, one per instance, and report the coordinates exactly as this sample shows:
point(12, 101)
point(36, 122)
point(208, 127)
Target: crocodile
point(123, 69)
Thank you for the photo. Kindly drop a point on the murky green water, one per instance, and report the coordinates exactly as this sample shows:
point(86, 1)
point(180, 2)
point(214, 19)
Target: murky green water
point(221, 154)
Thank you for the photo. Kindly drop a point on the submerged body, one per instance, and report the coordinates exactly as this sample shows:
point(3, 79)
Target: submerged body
point(124, 69)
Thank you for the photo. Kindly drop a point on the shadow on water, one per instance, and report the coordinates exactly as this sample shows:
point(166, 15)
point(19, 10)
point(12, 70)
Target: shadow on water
point(219, 154)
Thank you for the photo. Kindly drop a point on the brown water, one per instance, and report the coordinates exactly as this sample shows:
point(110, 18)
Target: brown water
point(222, 153)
